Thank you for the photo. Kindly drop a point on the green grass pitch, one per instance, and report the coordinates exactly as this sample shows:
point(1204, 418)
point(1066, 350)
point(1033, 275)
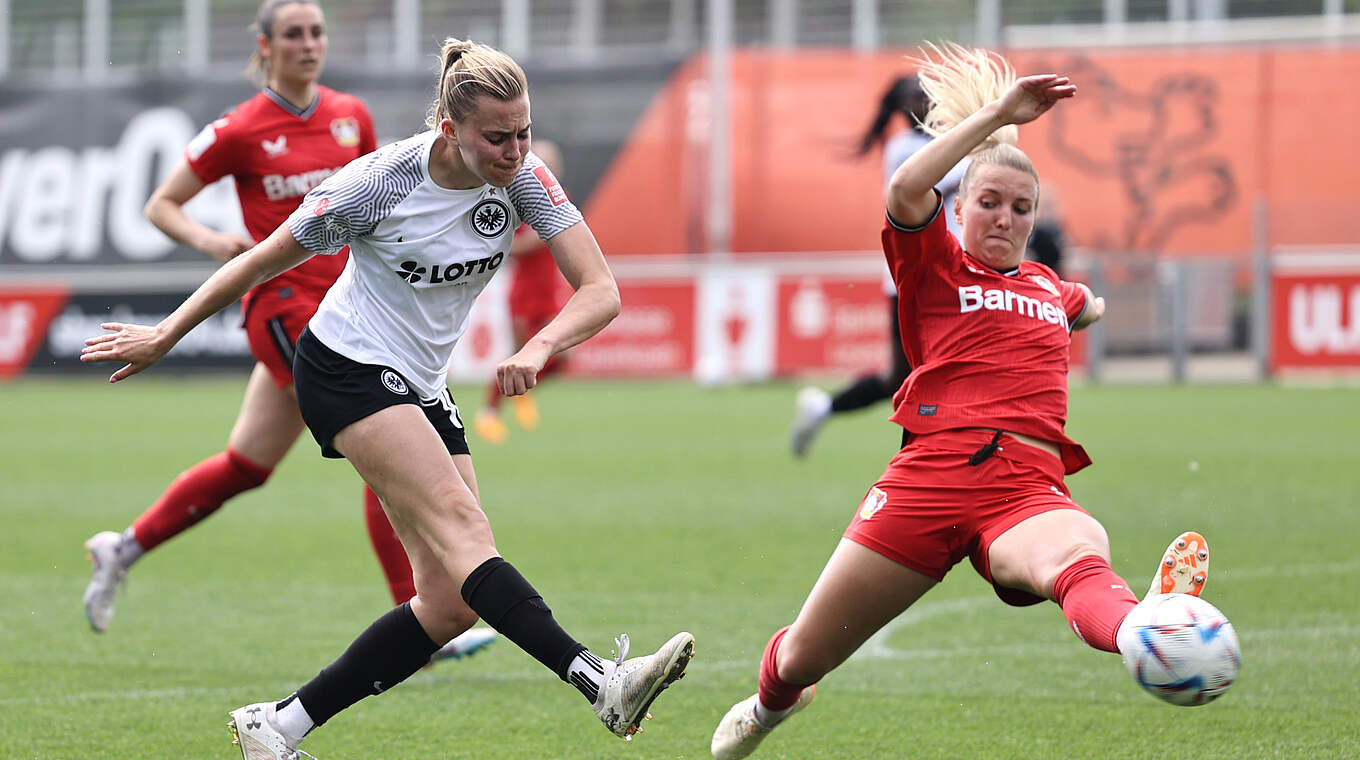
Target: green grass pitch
point(651, 508)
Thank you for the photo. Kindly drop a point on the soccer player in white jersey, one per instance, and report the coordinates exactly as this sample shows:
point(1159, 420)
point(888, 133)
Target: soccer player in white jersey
point(428, 220)
point(814, 407)
point(277, 146)
point(980, 473)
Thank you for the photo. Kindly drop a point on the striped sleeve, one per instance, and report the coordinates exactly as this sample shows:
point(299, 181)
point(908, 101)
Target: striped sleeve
point(540, 200)
point(351, 202)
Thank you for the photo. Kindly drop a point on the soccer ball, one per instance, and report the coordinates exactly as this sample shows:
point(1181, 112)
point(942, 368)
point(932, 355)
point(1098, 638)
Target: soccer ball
point(1180, 648)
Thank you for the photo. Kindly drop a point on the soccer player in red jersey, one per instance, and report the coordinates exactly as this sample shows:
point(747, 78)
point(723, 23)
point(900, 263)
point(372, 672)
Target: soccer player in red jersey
point(980, 473)
point(277, 146)
point(535, 298)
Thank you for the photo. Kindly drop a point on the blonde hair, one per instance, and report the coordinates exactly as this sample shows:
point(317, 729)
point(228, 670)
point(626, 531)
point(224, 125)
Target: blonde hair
point(960, 81)
point(468, 70)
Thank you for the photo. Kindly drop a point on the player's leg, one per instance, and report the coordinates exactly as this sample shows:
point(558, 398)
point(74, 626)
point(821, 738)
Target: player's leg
point(859, 592)
point(440, 505)
point(488, 423)
point(1064, 555)
point(266, 427)
point(815, 406)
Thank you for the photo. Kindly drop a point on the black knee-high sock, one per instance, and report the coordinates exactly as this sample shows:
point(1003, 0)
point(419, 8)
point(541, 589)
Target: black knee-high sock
point(384, 655)
point(505, 600)
point(865, 391)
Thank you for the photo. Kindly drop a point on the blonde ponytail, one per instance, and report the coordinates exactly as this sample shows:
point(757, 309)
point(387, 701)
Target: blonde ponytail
point(960, 81)
point(468, 70)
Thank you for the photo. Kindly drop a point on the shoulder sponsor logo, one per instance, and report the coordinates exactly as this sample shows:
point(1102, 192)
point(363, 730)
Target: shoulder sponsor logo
point(490, 217)
point(345, 130)
point(393, 382)
point(974, 298)
point(556, 194)
point(873, 502)
point(276, 147)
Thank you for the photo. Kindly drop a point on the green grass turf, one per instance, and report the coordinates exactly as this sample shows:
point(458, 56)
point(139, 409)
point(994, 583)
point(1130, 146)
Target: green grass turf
point(649, 508)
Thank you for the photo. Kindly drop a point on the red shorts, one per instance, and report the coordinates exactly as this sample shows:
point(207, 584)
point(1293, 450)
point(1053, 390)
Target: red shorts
point(274, 318)
point(931, 509)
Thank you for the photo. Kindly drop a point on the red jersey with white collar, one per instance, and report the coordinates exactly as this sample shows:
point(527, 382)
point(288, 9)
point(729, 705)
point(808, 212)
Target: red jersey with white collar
point(277, 154)
point(987, 349)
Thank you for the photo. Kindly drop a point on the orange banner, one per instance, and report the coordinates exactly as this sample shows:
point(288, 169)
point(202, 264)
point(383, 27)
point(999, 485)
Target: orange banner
point(1163, 150)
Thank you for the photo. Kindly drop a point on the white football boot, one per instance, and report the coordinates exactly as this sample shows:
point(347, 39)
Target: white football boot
point(108, 575)
point(252, 730)
point(630, 686)
point(465, 644)
point(1184, 568)
point(739, 733)
point(811, 411)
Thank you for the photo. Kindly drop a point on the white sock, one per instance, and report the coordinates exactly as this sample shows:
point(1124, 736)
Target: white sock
point(586, 673)
point(770, 718)
point(291, 719)
point(128, 550)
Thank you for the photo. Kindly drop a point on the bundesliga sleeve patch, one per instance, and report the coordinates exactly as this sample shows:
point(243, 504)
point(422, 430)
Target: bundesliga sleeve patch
point(556, 194)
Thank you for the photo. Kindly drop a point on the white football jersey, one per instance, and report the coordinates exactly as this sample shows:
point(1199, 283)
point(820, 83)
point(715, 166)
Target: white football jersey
point(419, 253)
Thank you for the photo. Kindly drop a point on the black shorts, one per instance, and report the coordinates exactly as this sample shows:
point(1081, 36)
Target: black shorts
point(335, 392)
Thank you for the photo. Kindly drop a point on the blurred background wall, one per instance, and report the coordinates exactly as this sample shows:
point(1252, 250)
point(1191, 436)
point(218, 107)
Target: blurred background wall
point(1207, 171)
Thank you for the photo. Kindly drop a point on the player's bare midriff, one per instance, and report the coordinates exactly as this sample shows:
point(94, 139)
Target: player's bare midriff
point(1037, 443)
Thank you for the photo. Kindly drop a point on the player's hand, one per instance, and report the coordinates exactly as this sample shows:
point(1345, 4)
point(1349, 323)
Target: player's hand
point(518, 374)
point(223, 247)
point(137, 345)
point(1032, 96)
point(1095, 309)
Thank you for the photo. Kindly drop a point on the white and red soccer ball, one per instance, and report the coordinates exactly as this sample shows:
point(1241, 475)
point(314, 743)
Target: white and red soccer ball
point(1180, 648)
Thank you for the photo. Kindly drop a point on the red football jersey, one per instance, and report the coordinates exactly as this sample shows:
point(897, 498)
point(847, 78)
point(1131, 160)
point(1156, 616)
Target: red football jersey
point(277, 153)
point(987, 349)
point(536, 282)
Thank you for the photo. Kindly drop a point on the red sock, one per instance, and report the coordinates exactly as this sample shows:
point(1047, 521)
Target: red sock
point(493, 397)
point(391, 554)
point(775, 693)
point(1094, 600)
point(195, 494)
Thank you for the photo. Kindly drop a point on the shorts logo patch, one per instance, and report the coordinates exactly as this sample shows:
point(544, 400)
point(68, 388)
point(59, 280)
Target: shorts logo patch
point(873, 502)
point(490, 218)
point(394, 383)
point(927, 410)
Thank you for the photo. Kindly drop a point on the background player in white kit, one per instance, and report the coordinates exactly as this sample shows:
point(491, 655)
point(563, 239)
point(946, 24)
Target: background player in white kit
point(814, 406)
point(429, 221)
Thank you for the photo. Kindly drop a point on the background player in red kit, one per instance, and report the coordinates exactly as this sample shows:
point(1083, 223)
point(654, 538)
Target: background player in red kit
point(535, 298)
point(980, 474)
point(277, 145)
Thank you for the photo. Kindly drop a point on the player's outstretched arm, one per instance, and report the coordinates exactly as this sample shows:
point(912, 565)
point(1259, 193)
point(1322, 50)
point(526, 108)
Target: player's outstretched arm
point(140, 346)
point(593, 306)
point(911, 196)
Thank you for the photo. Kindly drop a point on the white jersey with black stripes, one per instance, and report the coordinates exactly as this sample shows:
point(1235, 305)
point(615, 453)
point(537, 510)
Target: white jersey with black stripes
point(419, 253)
